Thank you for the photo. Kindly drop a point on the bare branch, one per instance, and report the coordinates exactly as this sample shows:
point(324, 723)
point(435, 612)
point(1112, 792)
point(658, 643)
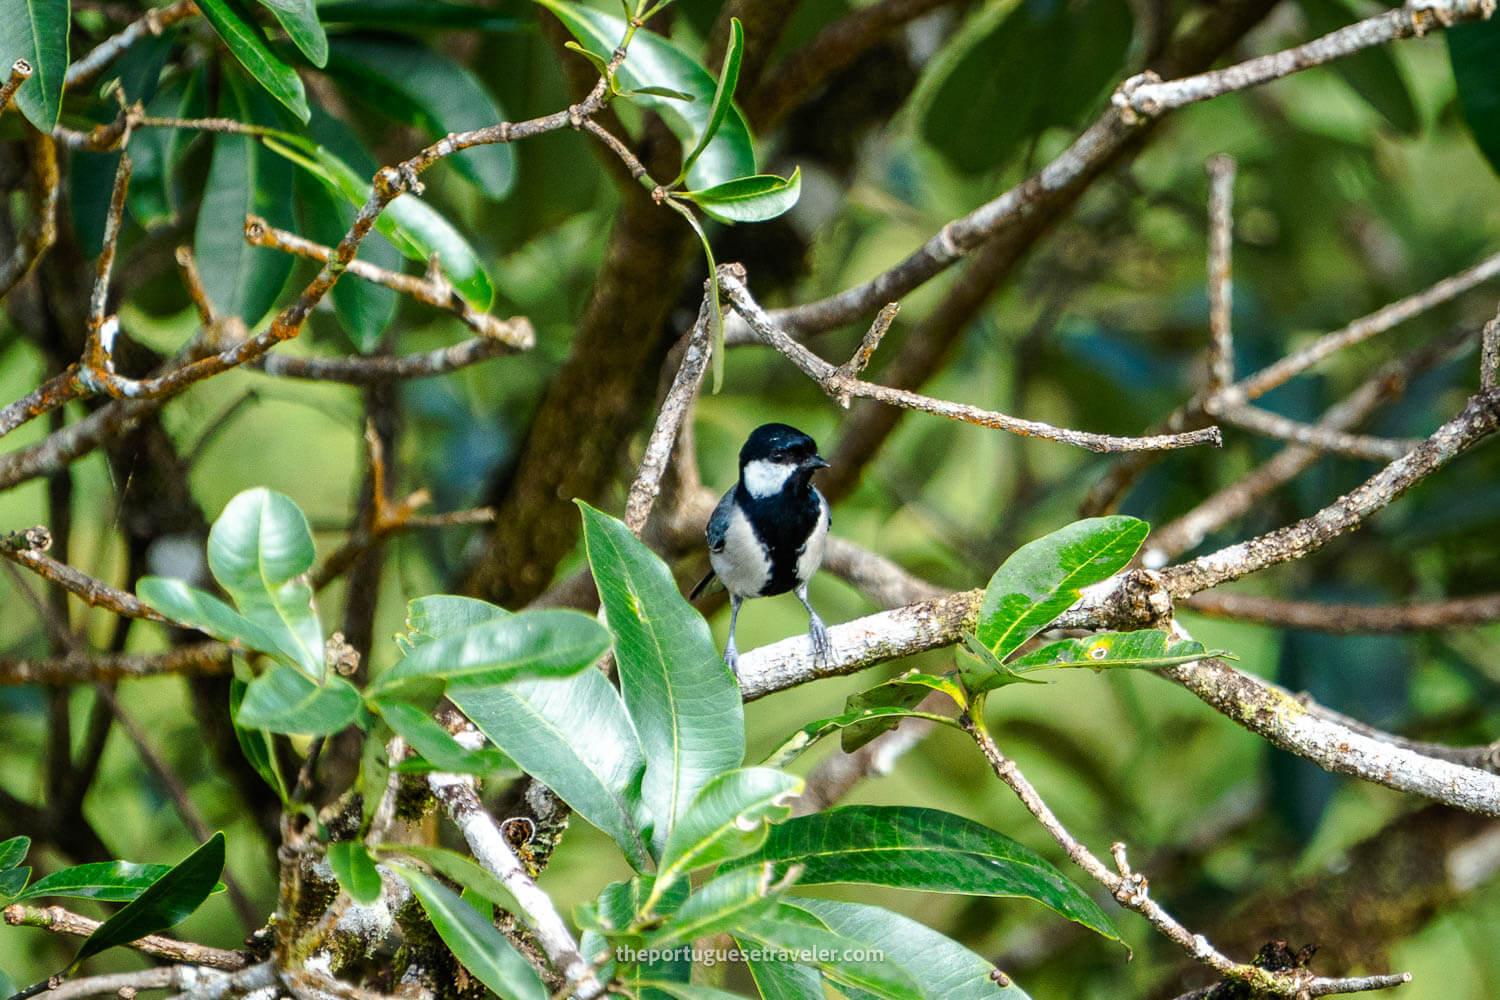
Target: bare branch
point(1314, 436)
point(369, 369)
point(1489, 355)
point(155, 21)
point(840, 386)
point(433, 289)
point(89, 668)
point(55, 918)
point(1477, 420)
point(27, 548)
point(20, 72)
point(41, 228)
point(1344, 619)
point(1220, 286)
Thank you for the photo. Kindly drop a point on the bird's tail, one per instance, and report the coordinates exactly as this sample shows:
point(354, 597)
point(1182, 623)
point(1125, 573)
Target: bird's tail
point(708, 585)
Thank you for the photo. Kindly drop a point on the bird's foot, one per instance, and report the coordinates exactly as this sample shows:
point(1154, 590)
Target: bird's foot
point(732, 659)
point(821, 643)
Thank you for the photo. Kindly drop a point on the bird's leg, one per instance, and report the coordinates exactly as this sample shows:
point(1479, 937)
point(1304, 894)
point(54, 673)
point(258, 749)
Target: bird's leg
point(731, 654)
point(816, 630)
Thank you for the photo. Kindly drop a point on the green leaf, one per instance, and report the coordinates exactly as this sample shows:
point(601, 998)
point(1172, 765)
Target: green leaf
point(420, 15)
point(259, 550)
point(299, 18)
point(902, 693)
point(782, 980)
point(532, 644)
point(749, 199)
point(906, 847)
point(196, 609)
point(1474, 51)
point(433, 92)
point(716, 348)
point(722, 904)
point(803, 739)
point(574, 736)
point(474, 941)
point(992, 673)
point(790, 928)
point(1014, 70)
point(667, 92)
point(413, 227)
point(285, 700)
point(1146, 649)
point(427, 736)
point(1372, 73)
point(723, 94)
point(37, 31)
point(680, 991)
point(729, 818)
point(256, 744)
point(466, 872)
point(677, 688)
point(13, 880)
point(437, 615)
point(13, 852)
point(237, 27)
point(655, 62)
point(944, 967)
point(363, 308)
point(355, 870)
point(1043, 578)
point(243, 179)
point(165, 903)
point(110, 881)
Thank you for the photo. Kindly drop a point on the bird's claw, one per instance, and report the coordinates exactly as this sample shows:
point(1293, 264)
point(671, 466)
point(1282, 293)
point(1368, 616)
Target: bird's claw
point(822, 645)
point(732, 660)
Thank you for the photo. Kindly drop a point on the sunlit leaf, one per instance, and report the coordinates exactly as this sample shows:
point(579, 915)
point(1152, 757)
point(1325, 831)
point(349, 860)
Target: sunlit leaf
point(235, 25)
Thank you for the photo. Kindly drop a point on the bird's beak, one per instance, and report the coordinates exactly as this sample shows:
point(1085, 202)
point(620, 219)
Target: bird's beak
point(816, 462)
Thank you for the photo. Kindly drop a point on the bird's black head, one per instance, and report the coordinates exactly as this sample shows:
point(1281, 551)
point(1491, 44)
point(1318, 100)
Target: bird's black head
point(775, 453)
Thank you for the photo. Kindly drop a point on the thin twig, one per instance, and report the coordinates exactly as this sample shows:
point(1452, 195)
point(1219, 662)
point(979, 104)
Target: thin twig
point(669, 419)
point(20, 72)
point(841, 386)
point(1489, 355)
point(1220, 284)
point(99, 346)
point(61, 921)
point(432, 289)
point(1344, 619)
point(89, 668)
point(28, 548)
point(41, 227)
point(369, 369)
point(155, 21)
point(1318, 438)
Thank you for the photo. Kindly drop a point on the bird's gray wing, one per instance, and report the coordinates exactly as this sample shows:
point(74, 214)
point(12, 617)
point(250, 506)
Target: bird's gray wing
point(718, 523)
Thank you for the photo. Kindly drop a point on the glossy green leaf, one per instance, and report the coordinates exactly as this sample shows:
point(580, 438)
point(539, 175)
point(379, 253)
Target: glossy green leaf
point(1014, 70)
point(364, 309)
point(734, 54)
point(13, 852)
point(907, 847)
point(474, 941)
point(436, 94)
point(749, 199)
point(196, 609)
point(1146, 649)
point(413, 227)
point(465, 871)
point(243, 179)
point(729, 818)
point(902, 693)
point(679, 991)
point(1043, 578)
point(803, 739)
point(792, 929)
point(418, 15)
point(235, 25)
point(781, 980)
point(437, 746)
point(573, 735)
point(991, 673)
point(716, 331)
point(722, 904)
point(109, 881)
point(299, 19)
point(37, 31)
point(1474, 51)
point(256, 744)
point(532, 644)
point(942, 966)
point(165, 903)
point(437, 615)
point(259, 550)
point(655, 62)
point(1373, 73)
point(681, 695)
point(13, 880)
point(284, 700)
point(355, 870)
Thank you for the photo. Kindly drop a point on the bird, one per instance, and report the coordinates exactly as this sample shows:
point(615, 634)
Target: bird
point(767, 534)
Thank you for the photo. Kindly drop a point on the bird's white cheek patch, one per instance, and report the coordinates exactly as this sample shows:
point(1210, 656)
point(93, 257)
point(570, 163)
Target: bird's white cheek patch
point(764, 479)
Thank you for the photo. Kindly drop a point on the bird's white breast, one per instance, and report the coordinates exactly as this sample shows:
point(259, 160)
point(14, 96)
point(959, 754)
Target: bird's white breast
point(812, 554)
point(742, 564)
